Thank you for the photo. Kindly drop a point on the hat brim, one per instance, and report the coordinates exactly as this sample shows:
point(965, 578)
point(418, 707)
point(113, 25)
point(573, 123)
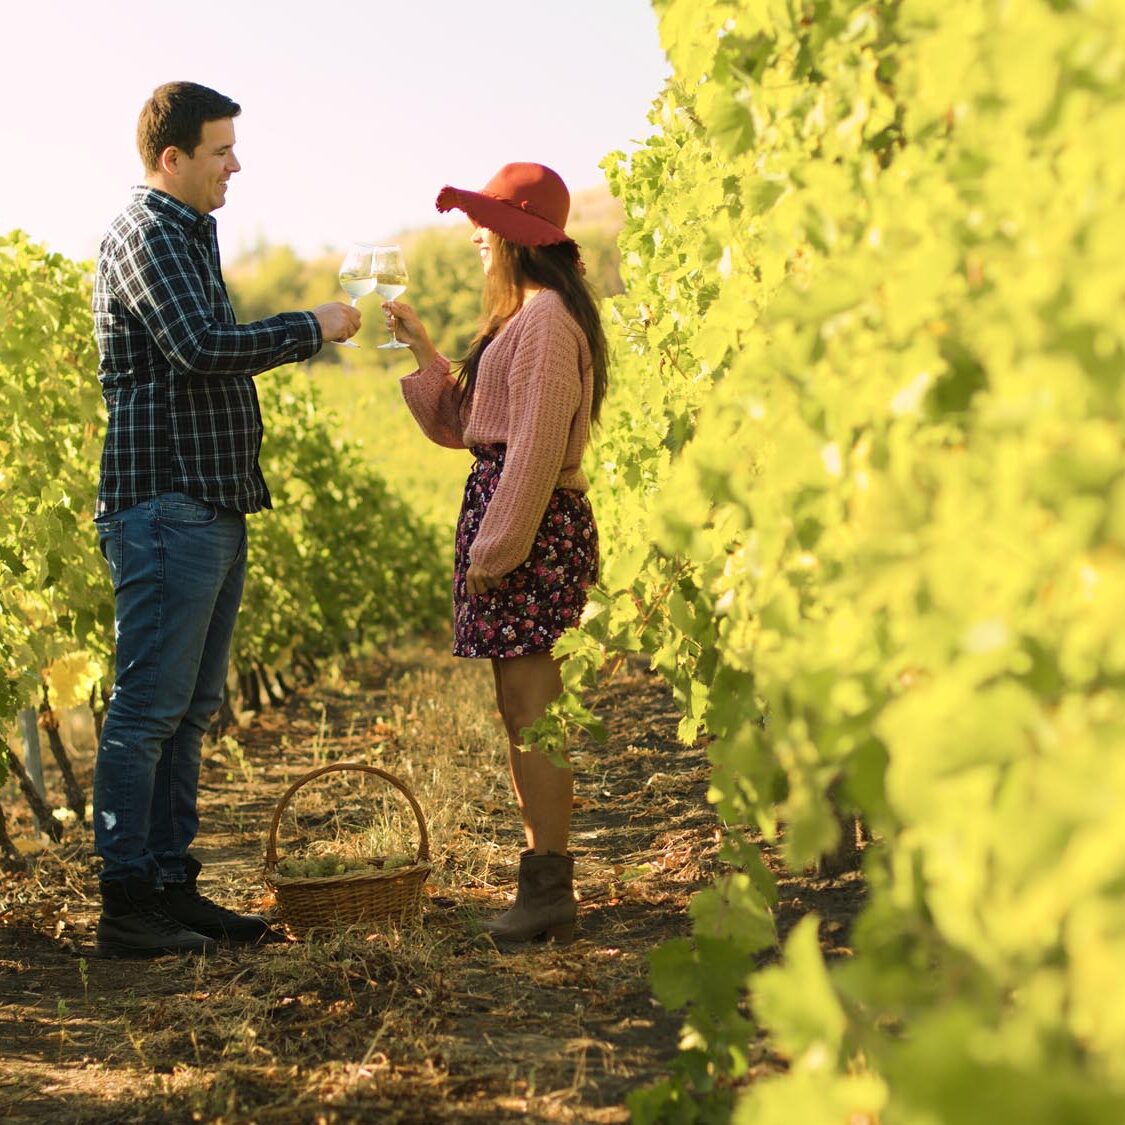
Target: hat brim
point(507, 219)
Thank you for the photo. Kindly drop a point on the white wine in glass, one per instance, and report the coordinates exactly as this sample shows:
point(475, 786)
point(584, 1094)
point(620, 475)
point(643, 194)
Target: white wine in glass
point(389, 267)
point(357, 277)
point(357, 287)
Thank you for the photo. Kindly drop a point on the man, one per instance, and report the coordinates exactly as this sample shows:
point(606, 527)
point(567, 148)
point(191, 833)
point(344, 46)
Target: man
point(179, 472)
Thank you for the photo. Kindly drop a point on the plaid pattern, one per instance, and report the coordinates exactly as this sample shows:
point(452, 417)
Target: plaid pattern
point(176, 370)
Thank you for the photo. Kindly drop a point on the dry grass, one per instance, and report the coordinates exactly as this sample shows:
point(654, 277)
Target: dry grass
point(425, 1023)
point(440, 737)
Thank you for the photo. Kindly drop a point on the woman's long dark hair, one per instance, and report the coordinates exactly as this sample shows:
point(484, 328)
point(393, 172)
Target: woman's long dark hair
point(557, 267)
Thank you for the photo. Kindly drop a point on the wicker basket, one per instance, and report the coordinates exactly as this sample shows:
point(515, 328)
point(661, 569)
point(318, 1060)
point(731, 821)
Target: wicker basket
point(393, 895)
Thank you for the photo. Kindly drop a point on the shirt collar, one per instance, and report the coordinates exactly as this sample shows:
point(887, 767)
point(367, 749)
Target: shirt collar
point(187, 217)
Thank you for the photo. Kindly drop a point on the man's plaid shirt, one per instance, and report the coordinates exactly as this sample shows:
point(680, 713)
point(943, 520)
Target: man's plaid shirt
point(176, 370)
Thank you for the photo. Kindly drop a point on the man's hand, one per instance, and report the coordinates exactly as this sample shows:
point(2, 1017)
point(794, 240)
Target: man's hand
point(337, 321)
point(478, 581)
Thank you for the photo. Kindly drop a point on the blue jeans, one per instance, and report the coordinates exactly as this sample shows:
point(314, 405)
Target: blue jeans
point(178, 566)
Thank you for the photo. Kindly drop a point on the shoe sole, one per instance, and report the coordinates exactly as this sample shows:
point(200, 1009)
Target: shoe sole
point(562, 934)
point(117, 952)
point(270, 937)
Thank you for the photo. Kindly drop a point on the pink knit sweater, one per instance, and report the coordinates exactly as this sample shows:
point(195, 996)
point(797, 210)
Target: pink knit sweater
point(533, 394)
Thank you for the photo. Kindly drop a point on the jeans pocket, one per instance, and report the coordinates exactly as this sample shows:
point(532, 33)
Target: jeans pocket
point(109, 537)
point(178, 507)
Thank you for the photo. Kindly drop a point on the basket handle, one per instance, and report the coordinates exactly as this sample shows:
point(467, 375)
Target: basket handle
point(271, 843)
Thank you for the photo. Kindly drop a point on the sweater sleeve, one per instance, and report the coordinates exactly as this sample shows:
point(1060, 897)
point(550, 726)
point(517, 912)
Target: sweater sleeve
point(434, 398)
point(544, 393)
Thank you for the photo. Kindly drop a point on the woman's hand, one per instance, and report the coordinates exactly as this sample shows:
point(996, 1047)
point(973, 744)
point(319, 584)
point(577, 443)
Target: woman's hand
point(403, 321)
point(478, 581)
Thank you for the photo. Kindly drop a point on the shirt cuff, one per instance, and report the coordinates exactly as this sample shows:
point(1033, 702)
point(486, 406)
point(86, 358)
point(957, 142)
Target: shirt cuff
point(310, 331)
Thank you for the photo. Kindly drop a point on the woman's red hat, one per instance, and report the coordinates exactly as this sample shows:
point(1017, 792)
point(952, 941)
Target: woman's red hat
point(524, 203)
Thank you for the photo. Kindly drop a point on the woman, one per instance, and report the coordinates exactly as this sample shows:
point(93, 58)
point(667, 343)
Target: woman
point(522, 400)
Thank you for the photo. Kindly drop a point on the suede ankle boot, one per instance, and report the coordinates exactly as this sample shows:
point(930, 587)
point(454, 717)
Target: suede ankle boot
point(184, 903)
point(134, 923)
point(544, 906)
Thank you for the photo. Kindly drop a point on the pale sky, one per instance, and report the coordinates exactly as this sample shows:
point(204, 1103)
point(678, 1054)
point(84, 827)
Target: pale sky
point(353, 114)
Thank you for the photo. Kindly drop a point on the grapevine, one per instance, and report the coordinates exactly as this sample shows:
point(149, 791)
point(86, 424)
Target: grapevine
point(862, 467)
point(340, 562)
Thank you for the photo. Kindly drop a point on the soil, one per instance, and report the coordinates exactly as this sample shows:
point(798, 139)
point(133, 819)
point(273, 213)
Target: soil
point(420, 1024)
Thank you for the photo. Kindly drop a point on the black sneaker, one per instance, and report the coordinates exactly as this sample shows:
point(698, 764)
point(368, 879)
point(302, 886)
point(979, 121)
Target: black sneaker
point(190, 908)
point(134, 923)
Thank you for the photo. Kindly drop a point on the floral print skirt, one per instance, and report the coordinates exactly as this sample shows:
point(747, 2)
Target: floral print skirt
point(535, 603)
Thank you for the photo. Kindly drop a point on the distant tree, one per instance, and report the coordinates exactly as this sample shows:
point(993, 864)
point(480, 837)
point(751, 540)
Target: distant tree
point(602, 258)
point(270, 279)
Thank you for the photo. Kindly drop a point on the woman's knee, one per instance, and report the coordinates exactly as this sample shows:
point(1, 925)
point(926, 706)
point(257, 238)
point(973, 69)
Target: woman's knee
point(526, 687)
point(520, 714)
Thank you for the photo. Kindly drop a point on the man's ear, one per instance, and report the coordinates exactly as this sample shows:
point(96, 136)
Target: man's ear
point(169, 160)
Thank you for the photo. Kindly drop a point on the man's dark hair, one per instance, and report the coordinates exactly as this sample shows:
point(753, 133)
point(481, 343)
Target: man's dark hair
point(175, 115)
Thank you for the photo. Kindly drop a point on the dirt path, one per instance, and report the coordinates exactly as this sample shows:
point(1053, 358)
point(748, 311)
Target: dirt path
point(429, 1023)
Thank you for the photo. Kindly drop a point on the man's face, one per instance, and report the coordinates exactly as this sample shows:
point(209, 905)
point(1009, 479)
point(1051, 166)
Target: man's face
point(201, 179)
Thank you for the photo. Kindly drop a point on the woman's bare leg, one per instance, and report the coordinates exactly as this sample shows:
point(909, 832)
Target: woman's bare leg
point(544, 791)
point(515, 754)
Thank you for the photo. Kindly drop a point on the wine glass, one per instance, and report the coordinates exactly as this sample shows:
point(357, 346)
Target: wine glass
point(357, 277)
point(389, 267)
